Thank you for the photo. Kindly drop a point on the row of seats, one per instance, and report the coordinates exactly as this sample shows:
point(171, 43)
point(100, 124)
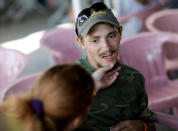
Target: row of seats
point(143, 51)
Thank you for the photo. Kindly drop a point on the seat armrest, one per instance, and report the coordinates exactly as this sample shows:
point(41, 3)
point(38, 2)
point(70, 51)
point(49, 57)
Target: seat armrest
point(166, 119)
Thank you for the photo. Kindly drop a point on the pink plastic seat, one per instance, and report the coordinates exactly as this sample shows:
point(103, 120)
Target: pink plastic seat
point(163, 21)
point(61, 44)
point(170, 55)
point(12, 62)
point(144, 52)
point(166, 120)
point(22, 85)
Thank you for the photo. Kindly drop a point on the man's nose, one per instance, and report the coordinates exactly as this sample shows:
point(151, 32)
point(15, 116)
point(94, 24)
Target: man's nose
point(106, 44)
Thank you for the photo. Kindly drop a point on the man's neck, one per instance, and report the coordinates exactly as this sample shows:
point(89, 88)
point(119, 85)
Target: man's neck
point(96, 66)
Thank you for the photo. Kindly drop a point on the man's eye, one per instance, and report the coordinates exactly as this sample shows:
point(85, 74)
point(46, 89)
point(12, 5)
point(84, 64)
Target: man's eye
point(112, 36)
point(94, 41)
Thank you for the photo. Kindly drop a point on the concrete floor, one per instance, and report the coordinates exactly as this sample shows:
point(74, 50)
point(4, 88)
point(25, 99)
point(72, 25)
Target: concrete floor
point(38, 59)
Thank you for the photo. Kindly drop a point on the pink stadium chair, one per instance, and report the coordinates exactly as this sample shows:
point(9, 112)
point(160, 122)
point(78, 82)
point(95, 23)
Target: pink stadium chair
point(12, 62)
point(61, 44)
point(22, 85)
point(144, 52)
point(163, 21)
point(167, 120)
point(170, 55)
point(141, 14)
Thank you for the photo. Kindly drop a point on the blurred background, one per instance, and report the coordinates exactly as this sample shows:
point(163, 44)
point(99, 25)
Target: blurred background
point(23, 23)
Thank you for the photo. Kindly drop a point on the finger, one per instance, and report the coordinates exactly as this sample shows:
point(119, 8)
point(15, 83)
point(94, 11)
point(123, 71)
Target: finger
point(101, 72)
point(98, 74)
point(109, 80)
point(104, 70)
point(113, 71)
point(107, 68)
point(112, 79)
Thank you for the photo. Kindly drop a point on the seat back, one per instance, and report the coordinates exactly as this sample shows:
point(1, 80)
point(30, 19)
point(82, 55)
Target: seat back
point(61, 44)
point(144, 52)
point(170, 57)
point(163, 21)
point(20, 86)
point(12, 62)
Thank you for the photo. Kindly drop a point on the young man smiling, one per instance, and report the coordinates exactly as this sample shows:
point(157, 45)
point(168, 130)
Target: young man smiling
point(122, 105)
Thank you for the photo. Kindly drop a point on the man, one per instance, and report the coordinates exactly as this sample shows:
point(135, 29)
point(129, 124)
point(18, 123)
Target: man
point(122, 106)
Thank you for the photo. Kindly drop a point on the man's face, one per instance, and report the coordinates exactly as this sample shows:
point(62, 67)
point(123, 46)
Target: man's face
point(102, 45)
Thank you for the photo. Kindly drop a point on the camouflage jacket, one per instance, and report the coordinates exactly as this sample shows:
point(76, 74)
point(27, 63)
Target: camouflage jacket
point(125, 99)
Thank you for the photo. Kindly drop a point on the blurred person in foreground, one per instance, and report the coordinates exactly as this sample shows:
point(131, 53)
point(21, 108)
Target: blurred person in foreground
point(122, 105)
point(59, 100)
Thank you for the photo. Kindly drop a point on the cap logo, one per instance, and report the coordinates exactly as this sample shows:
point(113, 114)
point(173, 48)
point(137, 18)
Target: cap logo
point(98, 13)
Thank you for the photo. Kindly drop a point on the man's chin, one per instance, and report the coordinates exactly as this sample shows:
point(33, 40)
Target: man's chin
point(109, 63)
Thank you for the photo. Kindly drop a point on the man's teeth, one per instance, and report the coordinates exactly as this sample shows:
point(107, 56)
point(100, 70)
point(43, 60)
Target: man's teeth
point(108, 55)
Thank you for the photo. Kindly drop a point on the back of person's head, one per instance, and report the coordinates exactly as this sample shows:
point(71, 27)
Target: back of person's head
point(60, 95)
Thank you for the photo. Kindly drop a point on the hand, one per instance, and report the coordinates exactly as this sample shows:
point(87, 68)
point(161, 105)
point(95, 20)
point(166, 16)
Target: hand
point(129, 125)
point(104, 78)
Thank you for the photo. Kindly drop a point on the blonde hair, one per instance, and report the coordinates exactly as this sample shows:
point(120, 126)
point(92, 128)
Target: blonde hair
point(65, 91)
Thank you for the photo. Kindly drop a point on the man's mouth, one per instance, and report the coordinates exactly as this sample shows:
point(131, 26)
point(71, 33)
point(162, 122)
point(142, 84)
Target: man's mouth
point(108, 56)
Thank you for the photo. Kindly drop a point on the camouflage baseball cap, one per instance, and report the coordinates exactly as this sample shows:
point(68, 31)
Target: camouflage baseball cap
point(96, 13)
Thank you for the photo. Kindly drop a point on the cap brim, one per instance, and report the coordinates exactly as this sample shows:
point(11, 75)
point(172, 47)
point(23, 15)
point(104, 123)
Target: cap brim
point(91, 24)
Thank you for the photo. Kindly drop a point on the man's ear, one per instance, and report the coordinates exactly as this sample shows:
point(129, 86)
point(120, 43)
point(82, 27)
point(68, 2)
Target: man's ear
point(80, 43)
point(121, 29)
